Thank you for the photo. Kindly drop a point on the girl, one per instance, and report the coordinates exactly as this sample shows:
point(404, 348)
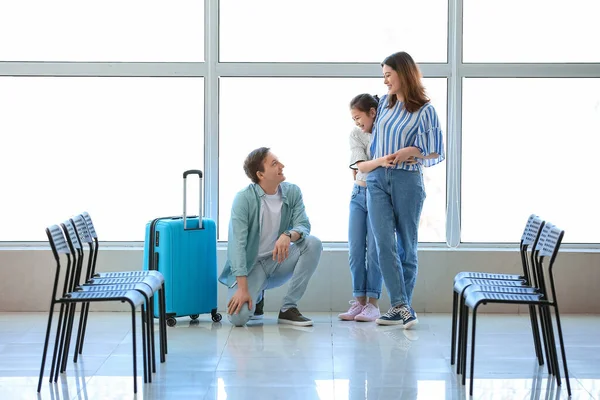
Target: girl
point(364, 267)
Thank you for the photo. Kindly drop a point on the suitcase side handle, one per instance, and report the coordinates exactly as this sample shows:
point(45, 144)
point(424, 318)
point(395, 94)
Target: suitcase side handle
point(185, 174)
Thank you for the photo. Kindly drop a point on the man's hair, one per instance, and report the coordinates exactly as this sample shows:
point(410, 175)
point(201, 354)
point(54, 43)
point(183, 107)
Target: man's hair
point(255, 162)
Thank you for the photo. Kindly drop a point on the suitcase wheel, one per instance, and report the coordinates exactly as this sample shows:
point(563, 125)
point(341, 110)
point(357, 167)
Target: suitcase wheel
point(171, 321)
point(194, 317)
point(216, 317)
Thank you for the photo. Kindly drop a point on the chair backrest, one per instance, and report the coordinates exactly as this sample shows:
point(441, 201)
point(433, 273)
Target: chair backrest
point(85, 237)
point(548, 246)
point(92, 232)
point(90, 225)
point(59, 246)
point(82, 230)
point(57, 240)
point(532, 231)
point(551, 245)
point(528, 241)
point(525, 234)
point(76, 252)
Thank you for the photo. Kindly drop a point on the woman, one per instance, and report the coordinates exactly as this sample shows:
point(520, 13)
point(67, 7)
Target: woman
point(406, 126)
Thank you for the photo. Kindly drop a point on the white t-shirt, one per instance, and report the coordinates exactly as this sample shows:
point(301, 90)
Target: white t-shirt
point(270, 219)
point(360, 143)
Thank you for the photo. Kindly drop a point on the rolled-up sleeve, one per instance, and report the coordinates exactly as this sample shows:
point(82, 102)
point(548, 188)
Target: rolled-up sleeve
point(300, 222)
point(430, 137)
point(238, 236)
point(358, 151)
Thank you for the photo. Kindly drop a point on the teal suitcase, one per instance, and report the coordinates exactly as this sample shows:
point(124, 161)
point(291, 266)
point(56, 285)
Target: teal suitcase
point(184, 250)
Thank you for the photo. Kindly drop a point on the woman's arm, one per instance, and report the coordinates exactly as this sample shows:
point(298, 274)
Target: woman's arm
point(406, 153)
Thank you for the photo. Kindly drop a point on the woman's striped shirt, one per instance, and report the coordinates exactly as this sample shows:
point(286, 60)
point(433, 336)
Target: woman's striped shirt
point(395, 128)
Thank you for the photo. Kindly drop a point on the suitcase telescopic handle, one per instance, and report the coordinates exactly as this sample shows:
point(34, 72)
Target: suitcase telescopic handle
point(185, 174)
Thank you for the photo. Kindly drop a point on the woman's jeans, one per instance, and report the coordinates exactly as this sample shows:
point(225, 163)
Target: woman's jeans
point(364, 267)
point(395, 200)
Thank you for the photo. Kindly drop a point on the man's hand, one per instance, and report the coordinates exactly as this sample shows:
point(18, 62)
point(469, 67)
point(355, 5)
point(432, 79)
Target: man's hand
point(240, 297)
point(282, 248)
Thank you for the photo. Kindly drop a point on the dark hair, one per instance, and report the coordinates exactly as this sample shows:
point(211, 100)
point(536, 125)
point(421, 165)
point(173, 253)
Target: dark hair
point(255, 162)
point(412, 88)
point(364, 102)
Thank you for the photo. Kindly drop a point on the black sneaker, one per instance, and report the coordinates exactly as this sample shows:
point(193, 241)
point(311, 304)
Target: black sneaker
point(259, 312)
point(293, 317)
point(400, 315)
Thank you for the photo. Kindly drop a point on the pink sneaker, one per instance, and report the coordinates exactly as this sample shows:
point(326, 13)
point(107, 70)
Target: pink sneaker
point(369, 313)
point(355, 309)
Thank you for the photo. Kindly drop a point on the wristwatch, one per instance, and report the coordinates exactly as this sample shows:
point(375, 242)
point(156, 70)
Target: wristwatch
point(288, 234)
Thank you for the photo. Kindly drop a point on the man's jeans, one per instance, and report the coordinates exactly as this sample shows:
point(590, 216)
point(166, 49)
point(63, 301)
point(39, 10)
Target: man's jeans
point(395, 199)
point(364, 266)
point(268, 274)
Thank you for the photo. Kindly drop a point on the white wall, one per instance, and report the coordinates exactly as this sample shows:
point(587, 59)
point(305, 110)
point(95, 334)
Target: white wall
point(26, 278)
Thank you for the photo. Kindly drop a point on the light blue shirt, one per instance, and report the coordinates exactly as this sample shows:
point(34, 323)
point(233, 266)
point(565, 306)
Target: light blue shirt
point(245, 227)
point(395, 128)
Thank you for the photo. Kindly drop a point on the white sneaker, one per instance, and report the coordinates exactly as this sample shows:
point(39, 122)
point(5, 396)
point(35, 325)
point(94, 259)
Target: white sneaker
point(369, 313)
point(355, 309)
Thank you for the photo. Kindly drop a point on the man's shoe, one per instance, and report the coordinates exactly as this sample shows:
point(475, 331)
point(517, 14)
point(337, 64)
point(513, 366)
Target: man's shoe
point(293, 317)
point(259, 312)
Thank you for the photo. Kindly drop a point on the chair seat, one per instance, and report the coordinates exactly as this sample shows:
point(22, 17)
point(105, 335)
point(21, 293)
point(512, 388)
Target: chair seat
point(460, 285)
point(130, 274)
point(476, 298)
point(149, 280)
point(140, 287)
point(133, 295)
point(487, 275)
point(500, 289)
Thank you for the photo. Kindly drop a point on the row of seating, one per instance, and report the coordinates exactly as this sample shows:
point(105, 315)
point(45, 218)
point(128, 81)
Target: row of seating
point(539, 246)
point(137, 288)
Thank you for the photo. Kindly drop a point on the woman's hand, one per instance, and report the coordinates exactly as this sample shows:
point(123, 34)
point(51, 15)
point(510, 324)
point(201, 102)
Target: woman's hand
point(404, 156)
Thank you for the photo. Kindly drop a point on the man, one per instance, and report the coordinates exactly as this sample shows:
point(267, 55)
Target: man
point(269, 242)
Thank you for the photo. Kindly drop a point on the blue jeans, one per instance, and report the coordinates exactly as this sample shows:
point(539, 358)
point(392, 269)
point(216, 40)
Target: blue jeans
point(298, 268)
point(364, 267)
point(395, 200)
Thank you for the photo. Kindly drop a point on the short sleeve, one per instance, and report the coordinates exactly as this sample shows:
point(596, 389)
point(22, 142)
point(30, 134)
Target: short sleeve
point(429, 136)
point(358, 150)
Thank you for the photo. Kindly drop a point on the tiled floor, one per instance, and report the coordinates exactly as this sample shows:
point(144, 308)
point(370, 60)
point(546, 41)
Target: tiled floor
point(332, 360)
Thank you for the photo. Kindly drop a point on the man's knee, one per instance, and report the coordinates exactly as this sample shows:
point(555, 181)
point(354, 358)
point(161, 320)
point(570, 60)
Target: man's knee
point(314, 244)
point(242, 318)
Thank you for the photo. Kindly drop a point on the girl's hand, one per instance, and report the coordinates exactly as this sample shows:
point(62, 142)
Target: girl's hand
point(386, 161)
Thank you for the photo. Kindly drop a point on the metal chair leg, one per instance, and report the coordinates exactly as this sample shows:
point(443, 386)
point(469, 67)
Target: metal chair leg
point(454, 326)
point(472, 351)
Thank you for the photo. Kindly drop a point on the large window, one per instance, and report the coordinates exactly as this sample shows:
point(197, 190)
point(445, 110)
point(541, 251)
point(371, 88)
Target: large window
point(306, 122)
point(529, 147)
point(103, 105)
point(107, 30)
point(115, 147)
point(532, 31)
point(332, 30)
